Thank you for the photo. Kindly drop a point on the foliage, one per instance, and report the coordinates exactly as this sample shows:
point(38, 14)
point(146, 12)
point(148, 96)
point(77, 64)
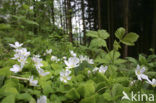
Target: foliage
point(62, 76)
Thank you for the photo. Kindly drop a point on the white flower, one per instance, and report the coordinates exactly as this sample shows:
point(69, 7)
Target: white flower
point(64, 58)
point(139, 72)
point(42, 99)
point(153, 82)
point(72, 53)
point(85, 58)
point(72, 62)
point(49, 51)
point(37, 60)
point(132, 82)
point(90, 61)
point(42, 72)
point(16, 68)
point(95, 69)
point(82, 58)
point(89, 72)
point(16, 45)
point(103, 69)
point(33, 82)
point(54, 58)
point(21, 54)
point(38, 0)
point(22, 60)
point(64, 75)
point(31, 7)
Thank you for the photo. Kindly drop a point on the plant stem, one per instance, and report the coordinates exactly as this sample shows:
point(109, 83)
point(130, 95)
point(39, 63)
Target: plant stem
point(20, 78)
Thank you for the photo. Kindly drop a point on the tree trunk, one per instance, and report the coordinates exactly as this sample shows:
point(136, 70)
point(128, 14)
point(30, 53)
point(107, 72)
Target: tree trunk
point(83, 19)
point(69, 21)
point(126, 6)
point(99, 14)
point(110, 19)
point(35, 15)
point(154, 26)
point(65, 15)
point(60, 3)
point(52, 11)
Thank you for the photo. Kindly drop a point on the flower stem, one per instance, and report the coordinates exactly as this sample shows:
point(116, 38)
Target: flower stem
point(20, 78)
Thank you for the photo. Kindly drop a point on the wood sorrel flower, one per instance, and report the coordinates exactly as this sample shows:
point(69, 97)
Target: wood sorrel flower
point(42, 99)
point(72, 62)
point(16, 45)
point(16, 68)
point(140, 73)
point(153, 82)
point(64, 75)
point(33, 82)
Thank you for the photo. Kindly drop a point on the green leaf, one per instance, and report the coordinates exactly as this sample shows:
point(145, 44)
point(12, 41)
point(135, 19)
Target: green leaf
point(86, 89)
point(55, 98)
point(5, 26)
point(107, 96)
point(10, 91)
point(100, 88)
point(96, 43)
point(24, 96)
point(9, 99)
point(119, 61)
point(45, 64)
point(32, 100)
point(103, 34)
point(91, 99)
point(117, 90)
point(1, 80)
point(116, 45)
point(133, 60)
point(10, 39)
point(111, 55)
point(120, 33)
point(5, 71)
point(56, 66)
point(30, 22)
point(11, 83)
point(25, 6)
point(121, 80)
point(151, 74)
point(142, 60)
point(92, 34)
point(73, 94)
point(46, 85)
point(130, 38)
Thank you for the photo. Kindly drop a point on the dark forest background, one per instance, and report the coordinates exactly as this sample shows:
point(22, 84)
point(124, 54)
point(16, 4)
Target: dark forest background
point(134, 15)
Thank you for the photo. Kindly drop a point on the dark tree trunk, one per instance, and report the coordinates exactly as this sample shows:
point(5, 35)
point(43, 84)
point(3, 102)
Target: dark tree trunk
point(35, 15)
point(110, 21)
point(65, 15)
point(154, 27)
point(83, 19)
point(52, 11)
point(69, 21)
point(126, 11)
point(61, 14)
point(99, 13)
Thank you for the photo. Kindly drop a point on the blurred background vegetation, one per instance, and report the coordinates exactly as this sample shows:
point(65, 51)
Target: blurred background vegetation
point(52, 23)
